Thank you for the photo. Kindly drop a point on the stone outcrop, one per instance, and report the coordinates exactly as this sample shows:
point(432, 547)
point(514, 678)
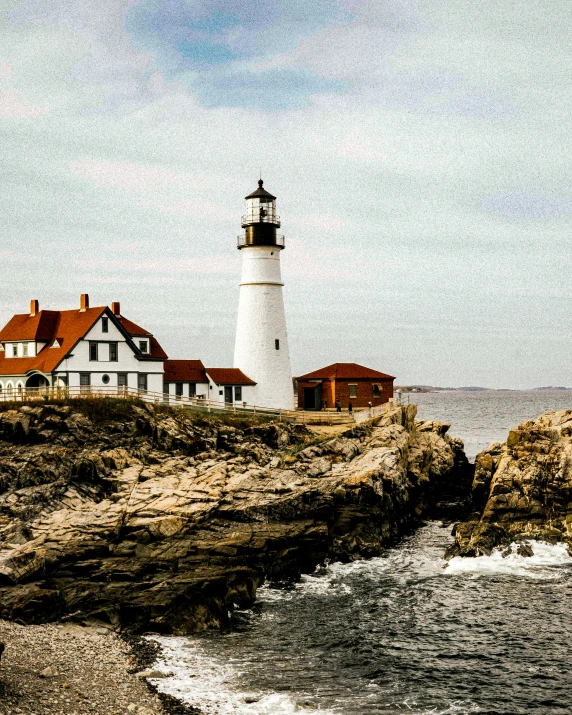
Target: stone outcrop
point(154, 518)
point(522, 489)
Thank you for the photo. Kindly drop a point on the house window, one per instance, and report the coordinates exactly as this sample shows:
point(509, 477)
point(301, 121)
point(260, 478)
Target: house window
point(15, 350)
point(143, 346)
point(121, 379)
point(105, 325)
point(353, 390)
point(277, 344)
point(192, 389)
point(93, 351)
point(179, 389)
point(376, 391)
point(84, 382)
point(141, 381)
point(238, 393)
point(105, 379)
point(25, 349)
point(113, 352)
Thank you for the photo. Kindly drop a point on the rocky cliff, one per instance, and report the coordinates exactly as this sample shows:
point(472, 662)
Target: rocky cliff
point(522, 489)
point(153, 518)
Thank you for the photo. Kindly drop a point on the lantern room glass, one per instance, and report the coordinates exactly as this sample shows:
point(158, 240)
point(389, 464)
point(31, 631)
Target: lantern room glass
point(260, 210)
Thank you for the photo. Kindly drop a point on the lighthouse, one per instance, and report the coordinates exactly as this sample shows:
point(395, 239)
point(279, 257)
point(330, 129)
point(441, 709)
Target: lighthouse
point(261, 348)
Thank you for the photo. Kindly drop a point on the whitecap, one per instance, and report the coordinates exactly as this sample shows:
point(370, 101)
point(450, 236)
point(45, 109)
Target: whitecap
point(544, 564)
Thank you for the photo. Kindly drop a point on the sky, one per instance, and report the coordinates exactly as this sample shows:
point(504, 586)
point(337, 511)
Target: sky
point(420, 152)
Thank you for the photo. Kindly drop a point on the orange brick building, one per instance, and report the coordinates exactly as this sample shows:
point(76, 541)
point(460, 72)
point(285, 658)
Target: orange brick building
point(347, 382)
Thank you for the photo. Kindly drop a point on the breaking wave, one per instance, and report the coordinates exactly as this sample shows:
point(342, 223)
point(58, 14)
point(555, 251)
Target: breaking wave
point(405, 632)
point(544, 564)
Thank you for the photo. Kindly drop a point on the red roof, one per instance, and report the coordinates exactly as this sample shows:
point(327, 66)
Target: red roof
point(155, 350)
point(184, 371)
point(346, 371)
point(67, 326)
point(31, 327)
point(136, 331)
point(228, 376)
point(131, 328)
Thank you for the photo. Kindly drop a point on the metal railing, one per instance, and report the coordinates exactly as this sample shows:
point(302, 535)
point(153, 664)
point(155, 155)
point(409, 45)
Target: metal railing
point(197, 403)
point(241, 240)
point(269, 215)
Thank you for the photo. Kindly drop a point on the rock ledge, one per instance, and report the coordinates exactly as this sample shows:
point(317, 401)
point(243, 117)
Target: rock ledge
point(155, 519)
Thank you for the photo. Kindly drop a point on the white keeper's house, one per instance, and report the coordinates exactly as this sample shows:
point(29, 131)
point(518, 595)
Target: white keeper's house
point(86, 347)
point(99, 349)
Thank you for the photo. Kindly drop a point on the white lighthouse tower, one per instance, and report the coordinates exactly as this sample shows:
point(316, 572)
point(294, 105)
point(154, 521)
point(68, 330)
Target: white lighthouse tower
point(261, 348)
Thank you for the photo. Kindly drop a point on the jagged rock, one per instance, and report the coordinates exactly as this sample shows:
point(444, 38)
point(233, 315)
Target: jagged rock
point(161, 520)
point(522, 489)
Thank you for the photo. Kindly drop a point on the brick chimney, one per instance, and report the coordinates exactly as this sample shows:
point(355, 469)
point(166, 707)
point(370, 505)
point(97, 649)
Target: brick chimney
point(34, 307)
point(116, 308)
point(83, 302)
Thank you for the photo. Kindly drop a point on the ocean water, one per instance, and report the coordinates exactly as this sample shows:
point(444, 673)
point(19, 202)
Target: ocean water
point(406, 632)
point(480, 418)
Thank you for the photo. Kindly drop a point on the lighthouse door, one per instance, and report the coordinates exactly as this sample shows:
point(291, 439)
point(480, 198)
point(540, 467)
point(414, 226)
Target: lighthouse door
point(228, 393)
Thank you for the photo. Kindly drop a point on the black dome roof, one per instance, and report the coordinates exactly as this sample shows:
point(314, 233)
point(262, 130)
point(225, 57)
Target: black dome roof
point(260, 193)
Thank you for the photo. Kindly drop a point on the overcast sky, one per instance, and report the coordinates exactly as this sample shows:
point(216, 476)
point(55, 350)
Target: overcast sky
point(420, 152)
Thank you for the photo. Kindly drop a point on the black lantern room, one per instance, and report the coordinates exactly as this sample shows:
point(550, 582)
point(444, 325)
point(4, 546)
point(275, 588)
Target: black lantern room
point(260, 220)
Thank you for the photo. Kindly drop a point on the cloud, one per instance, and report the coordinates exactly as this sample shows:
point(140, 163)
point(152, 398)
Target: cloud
point(414, 148)
point(219, 49)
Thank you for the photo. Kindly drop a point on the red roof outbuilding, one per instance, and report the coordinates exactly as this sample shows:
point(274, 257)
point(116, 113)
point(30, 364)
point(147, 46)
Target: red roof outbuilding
point(228, 376)
point(184, 371)
point(345, 384)
point(346, 371)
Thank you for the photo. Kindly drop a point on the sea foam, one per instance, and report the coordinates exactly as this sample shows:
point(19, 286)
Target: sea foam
point(542, 565)
point(213, 686)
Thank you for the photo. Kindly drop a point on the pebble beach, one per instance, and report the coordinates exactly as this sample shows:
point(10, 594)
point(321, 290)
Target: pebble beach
point(67, 669)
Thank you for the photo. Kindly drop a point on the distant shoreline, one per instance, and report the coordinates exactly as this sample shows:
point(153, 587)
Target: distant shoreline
point(429, 388)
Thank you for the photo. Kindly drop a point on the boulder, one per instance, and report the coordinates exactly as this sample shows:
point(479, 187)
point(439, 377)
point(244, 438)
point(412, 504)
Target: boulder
point(522, 489)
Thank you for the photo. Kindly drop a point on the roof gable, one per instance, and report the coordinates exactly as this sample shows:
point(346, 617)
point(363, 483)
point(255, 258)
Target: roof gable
point(346, 371)
point(133, 330)
point(67, 326)
point(61, 330)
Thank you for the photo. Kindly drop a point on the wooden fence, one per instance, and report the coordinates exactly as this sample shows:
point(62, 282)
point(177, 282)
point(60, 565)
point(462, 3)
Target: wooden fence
point(199, 404)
